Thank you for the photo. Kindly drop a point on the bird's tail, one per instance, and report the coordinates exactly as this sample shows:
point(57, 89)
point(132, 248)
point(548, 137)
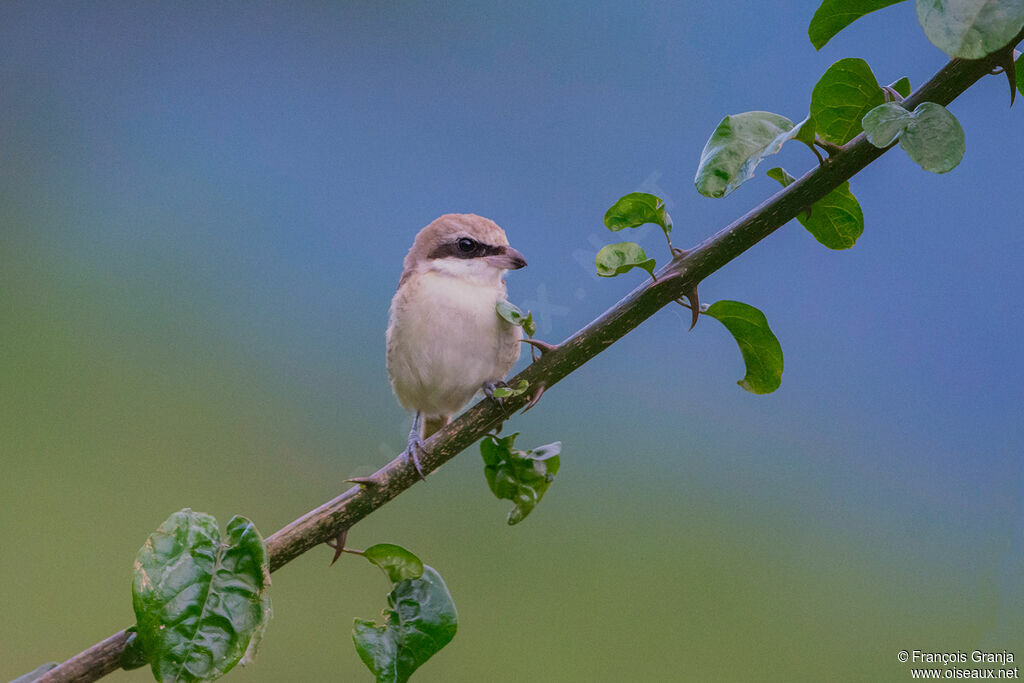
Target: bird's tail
point(432, 424)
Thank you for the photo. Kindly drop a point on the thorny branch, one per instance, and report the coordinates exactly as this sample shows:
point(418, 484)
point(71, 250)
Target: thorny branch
point(678, 278)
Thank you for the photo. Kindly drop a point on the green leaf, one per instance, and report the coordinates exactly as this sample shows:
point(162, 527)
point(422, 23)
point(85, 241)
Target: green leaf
point(835, 15)
point(35, 673)
point(780, 174)
point(511, 313)
point(804, 132)
point(934, 138)
point(200, 600)
point(738, 145)
point(615, 259)
point(397, 562)
point(419, 621)
point(902, 86)
point(636, 209)
point(506, 391)
point(761, 351)
point(529, 326)
point(836, 220)
point(884, 123)
point(133, 657)
point(843, 95)
point(930, 134)
point(970, 29)
point(517, 475)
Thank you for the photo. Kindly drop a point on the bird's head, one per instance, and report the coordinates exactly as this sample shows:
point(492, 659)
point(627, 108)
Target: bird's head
point(463, 245)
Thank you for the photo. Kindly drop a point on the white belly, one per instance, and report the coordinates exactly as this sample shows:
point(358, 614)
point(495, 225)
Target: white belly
point(445, 340)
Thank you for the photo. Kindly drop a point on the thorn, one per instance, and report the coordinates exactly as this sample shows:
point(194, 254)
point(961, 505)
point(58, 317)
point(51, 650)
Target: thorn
point(366, 482)
point(537, 393)
point(694, 306)
point(543, 346)
point(807, 212)
point(1010, 69)
point(338, 544)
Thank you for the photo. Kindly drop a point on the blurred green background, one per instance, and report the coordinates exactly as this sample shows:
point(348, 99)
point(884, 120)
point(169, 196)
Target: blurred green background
point(203, 213)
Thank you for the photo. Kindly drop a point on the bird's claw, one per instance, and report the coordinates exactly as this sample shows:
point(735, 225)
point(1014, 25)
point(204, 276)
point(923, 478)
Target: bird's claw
point(489, 388)
point(410, 455)
point(416, 444)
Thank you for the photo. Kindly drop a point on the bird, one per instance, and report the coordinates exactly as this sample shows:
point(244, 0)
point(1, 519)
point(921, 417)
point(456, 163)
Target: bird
point(445, 339)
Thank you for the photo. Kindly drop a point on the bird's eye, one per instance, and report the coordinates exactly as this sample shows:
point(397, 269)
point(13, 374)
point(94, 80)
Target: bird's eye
point(466, 245)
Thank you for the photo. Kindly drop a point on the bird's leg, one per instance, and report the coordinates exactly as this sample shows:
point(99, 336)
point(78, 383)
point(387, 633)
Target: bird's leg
point(416, 444)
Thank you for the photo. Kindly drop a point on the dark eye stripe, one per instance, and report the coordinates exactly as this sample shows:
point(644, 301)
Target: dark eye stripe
point(449, 249)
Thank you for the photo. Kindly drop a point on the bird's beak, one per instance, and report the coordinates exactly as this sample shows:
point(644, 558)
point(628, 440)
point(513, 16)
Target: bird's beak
point(508, 259)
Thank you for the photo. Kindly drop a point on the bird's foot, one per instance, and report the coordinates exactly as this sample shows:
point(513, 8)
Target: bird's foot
point(416, 446)
point(489, 389)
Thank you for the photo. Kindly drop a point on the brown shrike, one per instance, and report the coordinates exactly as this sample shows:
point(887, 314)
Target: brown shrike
point(445, 339)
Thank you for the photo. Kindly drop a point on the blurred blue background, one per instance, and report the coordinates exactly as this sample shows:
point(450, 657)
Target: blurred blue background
point(203, 212)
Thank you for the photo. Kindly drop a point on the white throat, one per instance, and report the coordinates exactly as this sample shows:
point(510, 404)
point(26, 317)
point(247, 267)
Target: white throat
point(476, 270)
